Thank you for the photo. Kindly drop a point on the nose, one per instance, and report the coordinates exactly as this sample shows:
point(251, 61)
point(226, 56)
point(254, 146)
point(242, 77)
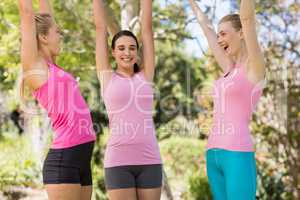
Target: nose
point(127, 51)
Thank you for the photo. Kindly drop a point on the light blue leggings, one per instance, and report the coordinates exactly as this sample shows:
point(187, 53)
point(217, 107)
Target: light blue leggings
point(231, 174)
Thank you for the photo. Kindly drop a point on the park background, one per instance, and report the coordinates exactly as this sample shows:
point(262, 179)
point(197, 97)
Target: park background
point(183, 107)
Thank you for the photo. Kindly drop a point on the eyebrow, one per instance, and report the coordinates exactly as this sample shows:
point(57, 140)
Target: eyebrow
point(122, 45)
point(221, 32)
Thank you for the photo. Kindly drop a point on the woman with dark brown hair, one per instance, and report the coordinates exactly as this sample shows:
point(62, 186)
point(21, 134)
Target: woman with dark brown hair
point(133, 166)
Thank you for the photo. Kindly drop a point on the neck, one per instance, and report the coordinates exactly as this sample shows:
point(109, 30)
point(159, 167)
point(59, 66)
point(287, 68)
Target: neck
point(242, 56)
point(127, 72)
point(47, 55)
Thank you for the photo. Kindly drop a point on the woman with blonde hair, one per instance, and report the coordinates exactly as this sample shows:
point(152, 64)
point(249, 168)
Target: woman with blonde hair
point(66, 171)
point(230, 158)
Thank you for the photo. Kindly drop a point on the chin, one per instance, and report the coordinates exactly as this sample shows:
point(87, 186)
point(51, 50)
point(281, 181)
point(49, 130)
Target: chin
point(56, 53)
point(127, 66)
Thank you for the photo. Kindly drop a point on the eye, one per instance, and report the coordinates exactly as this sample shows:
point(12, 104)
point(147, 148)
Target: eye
point(121, 48)
point(132, 48)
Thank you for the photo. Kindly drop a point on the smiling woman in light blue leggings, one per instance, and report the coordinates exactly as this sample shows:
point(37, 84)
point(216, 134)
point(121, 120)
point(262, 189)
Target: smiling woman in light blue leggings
point(230, 155)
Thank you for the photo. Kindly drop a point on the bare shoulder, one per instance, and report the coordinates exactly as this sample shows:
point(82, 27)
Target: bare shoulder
point(37, 74)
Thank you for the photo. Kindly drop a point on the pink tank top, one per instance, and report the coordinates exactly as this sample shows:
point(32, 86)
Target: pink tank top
point(129, 104)
point(235, 98)
point(69, 114)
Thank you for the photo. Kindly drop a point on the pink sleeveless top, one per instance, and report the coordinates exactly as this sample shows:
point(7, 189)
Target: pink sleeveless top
point(129, 104)
point(235, 98)
point(69, 114)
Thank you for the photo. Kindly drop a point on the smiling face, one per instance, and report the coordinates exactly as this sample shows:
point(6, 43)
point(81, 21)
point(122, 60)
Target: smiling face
point(229, 39)
point(230, 36)
point(125, 52)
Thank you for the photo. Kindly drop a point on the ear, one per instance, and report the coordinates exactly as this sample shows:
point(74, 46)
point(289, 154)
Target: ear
point(43, 39)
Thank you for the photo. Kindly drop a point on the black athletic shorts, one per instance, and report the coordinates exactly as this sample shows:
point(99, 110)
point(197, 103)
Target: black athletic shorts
point(69, 165)
point(133, 176)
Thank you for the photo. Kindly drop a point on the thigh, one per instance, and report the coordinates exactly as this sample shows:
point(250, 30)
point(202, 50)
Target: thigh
point(122, 194)
point(149, 176)
point(240, 172)
point(120, 177)
point(149, 194)
point(215, 175)
point(63, 191)
point(86, 192)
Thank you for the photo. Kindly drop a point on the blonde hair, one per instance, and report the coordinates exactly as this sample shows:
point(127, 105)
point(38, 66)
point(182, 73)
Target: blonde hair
point(43, 22)
point(234, 19)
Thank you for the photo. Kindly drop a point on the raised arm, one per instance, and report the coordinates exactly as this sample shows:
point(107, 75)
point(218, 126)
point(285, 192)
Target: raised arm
point(45, 7)
point(224, 62)
point(29, 49)
point(103, 66)
point(147, 39)
point(256, 59)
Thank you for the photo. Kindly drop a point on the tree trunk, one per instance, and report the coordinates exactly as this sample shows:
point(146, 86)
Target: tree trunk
point(166, 187)
point(129, 14)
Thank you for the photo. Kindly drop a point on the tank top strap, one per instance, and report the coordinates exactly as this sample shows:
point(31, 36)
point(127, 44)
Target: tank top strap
point(50, 64)
point(52, 69)
point(141, 75)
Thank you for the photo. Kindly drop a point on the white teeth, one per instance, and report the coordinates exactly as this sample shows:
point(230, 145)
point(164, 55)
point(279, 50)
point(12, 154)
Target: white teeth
point(126, 59)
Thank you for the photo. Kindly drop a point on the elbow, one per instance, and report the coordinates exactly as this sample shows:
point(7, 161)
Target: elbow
point(247, 18)
point(146, 23)
point(101, 33)
point(100, 26)
point(148, 33)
